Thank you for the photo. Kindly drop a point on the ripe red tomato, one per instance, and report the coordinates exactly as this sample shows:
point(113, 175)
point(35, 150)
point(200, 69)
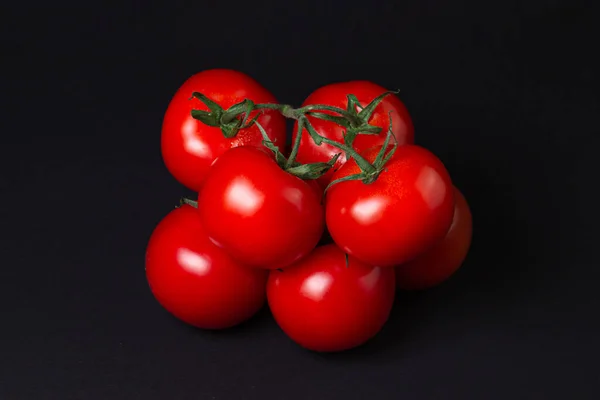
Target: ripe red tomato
point(260, 214)
point(325, 305)
point(189, 146)
point(394, 219)
point(335, 94)
point(196, 281)
point(440, 262)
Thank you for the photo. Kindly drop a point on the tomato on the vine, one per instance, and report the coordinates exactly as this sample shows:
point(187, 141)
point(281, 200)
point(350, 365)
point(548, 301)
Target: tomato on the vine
point(189, 146)
point(404, 212)
point(443, 260)
point(326, 305)
point(196, 281)
point(262, 215)
point(335, 94)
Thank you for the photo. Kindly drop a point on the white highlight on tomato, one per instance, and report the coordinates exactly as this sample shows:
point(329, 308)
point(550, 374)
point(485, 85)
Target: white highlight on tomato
point(265, 119)
point(369, 210)
point(429, 184)
point(294, 196)
point(243, 197)
point(192, 142)
point(193, 262)
point(316, 286)
point(369, 280)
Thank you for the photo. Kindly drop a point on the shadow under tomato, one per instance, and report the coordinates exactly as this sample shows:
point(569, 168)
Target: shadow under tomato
point(492, 282)
point(398, 331)
point(259, 321)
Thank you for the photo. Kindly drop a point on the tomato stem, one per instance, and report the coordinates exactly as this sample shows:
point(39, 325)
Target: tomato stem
point(270, 106)
point(355, 119)
point(296, 113)
point(316, 107)
point(296, 147)
point(363, 164)
point(189, 202)
point(368, 176)
point(302, 171)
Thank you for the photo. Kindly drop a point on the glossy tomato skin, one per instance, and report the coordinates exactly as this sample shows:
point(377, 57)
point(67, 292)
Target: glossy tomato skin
point(196, 281)
point(326, 306)
point(399, 216)
point(335, 94)
point(189, 146)
point(445, 258)
point(261, 215)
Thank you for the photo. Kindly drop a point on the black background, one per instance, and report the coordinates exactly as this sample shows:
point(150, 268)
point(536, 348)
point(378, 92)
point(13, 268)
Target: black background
point(506, 93)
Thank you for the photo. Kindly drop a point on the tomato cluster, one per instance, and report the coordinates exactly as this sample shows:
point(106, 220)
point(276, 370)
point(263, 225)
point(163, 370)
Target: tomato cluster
point(325, 230)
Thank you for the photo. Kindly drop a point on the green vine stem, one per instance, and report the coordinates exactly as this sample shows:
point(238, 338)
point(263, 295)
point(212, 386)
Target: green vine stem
point(296, 145)
point(188, 201)
point(355, 122)
point(379, 163)
point(295, 113)
point(363, 164)
point(302, 171)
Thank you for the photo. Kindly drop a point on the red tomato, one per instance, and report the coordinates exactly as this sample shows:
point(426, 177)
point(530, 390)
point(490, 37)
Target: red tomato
point(335, 95)
point(394, 219)
point(195, 280)
point(440, 262)
point(189, 146)
point(260, 214)
point(324, 305)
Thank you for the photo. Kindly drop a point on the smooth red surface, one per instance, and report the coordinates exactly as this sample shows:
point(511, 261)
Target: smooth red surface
point(335, 94)
point(189, 146)
point(324, 305)
point(404, 212)
point(260, 214)
point(445, 258)
point(195, 280)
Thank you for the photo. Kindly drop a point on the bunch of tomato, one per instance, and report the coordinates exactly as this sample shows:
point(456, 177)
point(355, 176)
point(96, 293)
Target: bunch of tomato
point(325, 229)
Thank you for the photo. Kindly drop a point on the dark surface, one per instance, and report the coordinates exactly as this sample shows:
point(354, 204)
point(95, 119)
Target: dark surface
point(506, 93)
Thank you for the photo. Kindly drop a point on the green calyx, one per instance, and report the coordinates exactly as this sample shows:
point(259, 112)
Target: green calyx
point(369, 172)
point(227, 120)
point(355, 120)
point(302, 171)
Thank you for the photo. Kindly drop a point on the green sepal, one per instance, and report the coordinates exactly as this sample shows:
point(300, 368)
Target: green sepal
point(382, 158)
point(207, 118)
point(318, 139)
point(226, 120)
point(363, 127)
point(367, 111)
point(231, 129)
point(354, 177)
point(332, 118)
point(279, 157)
point(249, 124)
point(247, 112)
point(314, 170)
point(243, 107)
point(353, 102)
point(212, 106)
